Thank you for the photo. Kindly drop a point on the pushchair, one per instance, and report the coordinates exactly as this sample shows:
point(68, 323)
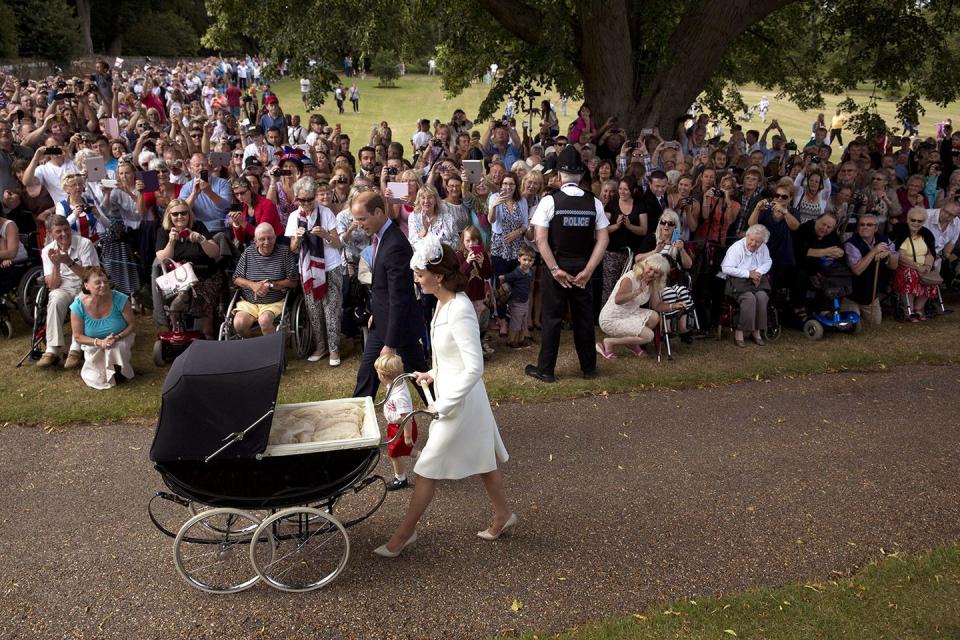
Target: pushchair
point(830, 284)
point(262, 508)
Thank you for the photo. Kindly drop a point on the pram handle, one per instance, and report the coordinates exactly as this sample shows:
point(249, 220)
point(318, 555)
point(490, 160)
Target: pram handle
point(402, 379)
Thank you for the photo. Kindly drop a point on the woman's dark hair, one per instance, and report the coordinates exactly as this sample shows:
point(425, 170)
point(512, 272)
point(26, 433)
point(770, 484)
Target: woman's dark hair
point(449, 271)
point(515, 196)
point(631, 183)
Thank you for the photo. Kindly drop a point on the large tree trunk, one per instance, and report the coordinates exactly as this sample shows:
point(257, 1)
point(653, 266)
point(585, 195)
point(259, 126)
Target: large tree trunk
point(83, 11)
point(712, 25)
point(604, 35)
point(606, 68)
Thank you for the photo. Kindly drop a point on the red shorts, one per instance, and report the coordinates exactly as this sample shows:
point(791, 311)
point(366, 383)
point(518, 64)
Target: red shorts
point(400, 448)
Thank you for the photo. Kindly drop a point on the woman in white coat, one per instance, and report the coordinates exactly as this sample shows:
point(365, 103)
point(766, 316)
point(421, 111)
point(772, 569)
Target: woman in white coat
point(464, 439)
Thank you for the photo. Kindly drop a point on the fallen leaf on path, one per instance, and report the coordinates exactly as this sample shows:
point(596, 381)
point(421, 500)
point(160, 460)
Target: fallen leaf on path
point(516, 606)
point(730, 632)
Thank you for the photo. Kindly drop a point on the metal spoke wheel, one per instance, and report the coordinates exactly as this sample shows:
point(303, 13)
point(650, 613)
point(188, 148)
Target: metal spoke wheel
point(299, 549)
point(300, 329)
point(774, 330)
point(30, 285)
point(210, 551)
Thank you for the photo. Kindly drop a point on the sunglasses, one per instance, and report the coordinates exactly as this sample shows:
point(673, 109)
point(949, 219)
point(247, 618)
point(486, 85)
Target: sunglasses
point(917, 221)
point(867, 224)
point(305, 200)
point(781, 196)
point(667, 223)
point(178, 213)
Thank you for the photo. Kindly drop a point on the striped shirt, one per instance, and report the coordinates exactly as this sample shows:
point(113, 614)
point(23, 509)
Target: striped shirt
point(279, 265)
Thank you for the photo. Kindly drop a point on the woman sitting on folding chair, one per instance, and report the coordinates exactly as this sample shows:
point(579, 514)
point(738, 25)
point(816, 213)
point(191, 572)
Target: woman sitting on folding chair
point(664, 241)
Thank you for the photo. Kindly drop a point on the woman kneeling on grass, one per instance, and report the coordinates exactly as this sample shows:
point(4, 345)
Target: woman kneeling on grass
point(625, 318)
point(103, 324)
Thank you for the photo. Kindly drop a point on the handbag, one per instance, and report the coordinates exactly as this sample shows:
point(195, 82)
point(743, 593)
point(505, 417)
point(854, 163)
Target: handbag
point(737, 286)
point(930, 278)
point(176, 280)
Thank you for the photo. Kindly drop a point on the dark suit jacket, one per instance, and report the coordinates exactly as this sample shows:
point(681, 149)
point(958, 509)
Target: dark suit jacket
point(650, 206)
point(397, 317)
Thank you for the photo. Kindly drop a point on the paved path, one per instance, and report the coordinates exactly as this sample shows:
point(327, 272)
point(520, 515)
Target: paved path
point(622, 501)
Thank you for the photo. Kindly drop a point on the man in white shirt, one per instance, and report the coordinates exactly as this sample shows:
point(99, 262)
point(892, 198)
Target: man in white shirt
point(571, 229)
point(63, 262)
point(58, 163)
point(944, 224)
point(242, 70)
point(304, 90)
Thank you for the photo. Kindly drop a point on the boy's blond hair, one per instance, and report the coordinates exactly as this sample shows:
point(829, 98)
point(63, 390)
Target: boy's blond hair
point(390, 365)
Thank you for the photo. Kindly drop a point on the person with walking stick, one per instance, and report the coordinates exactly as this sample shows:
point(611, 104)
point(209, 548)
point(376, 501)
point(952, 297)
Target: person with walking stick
point(873, 259)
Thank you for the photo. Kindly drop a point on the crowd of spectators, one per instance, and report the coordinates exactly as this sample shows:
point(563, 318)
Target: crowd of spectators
point(198, 162)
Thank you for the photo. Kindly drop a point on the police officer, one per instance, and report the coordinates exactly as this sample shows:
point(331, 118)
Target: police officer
point(571, 229)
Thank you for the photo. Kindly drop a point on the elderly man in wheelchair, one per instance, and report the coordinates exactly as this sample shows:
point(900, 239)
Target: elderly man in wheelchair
point(264, 274)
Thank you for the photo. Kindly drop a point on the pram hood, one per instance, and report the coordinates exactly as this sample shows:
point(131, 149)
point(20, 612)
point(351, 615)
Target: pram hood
point(215, 389)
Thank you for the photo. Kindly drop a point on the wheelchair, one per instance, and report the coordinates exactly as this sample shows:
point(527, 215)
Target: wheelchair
point(730, 318)
point(828, 287)
point(33, 295)
point(22, 298)
point(293, 320)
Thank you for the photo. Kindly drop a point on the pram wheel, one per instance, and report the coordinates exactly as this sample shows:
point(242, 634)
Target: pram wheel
point(158, 354)
point(813, 329)
point(310, 546)
point(6, 328)
point(210, 551)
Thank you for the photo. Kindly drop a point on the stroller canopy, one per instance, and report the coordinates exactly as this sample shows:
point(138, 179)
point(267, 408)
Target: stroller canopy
point(215, 389)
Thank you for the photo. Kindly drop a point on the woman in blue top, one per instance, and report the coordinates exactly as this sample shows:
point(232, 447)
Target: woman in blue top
point(103, 324)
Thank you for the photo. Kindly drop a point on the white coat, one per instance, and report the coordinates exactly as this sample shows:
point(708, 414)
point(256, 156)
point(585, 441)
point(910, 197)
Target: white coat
point(464, 440)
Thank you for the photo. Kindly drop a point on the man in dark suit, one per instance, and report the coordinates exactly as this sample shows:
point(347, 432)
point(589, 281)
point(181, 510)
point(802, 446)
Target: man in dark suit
point(654, 200)
point(396, 322)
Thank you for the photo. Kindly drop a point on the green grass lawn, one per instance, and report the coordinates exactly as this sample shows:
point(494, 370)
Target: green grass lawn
point(418, 96)
point(896, 598)
point(55, 398)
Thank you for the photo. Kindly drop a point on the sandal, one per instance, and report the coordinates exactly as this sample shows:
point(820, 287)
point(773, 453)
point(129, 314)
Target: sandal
point(609, 355)
point(637, 351)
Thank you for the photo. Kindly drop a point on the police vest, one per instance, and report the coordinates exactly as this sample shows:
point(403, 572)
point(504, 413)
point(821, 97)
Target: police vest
point(863, 283)
point(572, 227)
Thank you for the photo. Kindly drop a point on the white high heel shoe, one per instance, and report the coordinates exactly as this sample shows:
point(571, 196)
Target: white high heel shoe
point(486, 535)
point(383, 552)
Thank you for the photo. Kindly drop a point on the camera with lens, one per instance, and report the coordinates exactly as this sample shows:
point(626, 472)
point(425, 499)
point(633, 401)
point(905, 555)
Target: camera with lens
point(686, 202)
point(343, 180)
point(791, 146)
point(284, 172)
point(391, 171)
point(436, 142)
point(815, 160)
point(718, 193)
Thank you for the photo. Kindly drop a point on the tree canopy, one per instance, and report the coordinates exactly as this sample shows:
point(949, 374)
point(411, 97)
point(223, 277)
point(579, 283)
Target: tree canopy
point(646, 62)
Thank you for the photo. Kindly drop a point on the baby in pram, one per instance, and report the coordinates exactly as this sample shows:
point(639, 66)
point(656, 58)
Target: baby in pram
point(398, 404)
